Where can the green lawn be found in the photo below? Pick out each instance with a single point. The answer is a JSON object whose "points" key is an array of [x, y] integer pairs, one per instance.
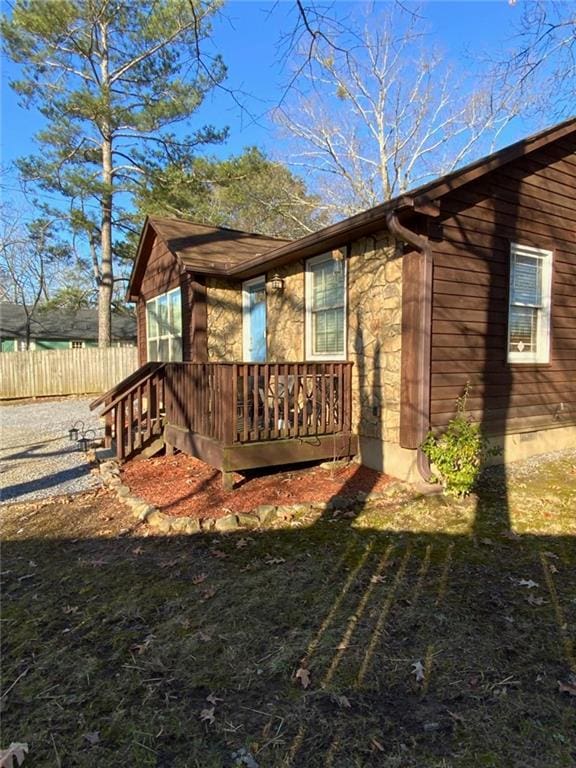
{"points": [[434, 633]]}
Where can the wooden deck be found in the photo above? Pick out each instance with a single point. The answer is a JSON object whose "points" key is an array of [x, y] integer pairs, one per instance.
{"points": [[236, 416]]}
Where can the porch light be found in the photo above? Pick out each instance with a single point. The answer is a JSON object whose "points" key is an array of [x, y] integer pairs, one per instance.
{"points": [[276, 285], [75, 429], [338, 259]]}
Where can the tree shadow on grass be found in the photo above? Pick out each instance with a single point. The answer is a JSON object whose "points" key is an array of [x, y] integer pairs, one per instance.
{"points": [[423, 647]]}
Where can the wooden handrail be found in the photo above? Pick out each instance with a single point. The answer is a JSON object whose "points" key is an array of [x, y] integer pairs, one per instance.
{"points": [[113, 403], [126, 383]]}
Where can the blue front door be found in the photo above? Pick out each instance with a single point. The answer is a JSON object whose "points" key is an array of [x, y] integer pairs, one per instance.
{"points": [[255, 320]]}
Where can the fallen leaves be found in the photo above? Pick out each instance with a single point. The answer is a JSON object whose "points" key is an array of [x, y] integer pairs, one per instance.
{"points": [[208, 594], [536, 601], [141, 648], [569, 687], [303, 675], [528, 583], [14, 755], [342, 701], [418, 671], [377, 579], [199, 578], [207, 715], [274, 560], [218, 553]]}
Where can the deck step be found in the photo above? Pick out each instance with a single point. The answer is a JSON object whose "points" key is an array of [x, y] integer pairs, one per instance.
{"points": [[152, 449]]}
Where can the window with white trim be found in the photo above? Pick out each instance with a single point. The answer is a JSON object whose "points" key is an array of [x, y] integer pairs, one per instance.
{"points": [[325, 308], [529, 309], [164, 326]]}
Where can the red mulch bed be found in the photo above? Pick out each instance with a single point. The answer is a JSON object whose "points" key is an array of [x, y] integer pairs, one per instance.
{"points": [[181, 485]]}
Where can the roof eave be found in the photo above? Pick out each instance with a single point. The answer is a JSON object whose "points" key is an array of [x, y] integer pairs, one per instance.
{"points": [[330, 237]]}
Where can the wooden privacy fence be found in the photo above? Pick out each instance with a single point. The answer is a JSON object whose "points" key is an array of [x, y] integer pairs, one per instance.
{"points": [[64, 371]]}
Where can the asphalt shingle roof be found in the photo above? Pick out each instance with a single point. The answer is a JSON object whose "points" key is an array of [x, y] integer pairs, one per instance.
{"points": [[61, 324]]}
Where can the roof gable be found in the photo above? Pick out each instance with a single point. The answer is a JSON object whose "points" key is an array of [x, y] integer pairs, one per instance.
{"points": [[198, 248]]}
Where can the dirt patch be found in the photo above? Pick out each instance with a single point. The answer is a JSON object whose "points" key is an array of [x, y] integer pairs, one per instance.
{"points": [[181, 485]]}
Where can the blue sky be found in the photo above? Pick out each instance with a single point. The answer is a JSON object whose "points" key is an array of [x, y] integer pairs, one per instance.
{"points": [[249, 36]]}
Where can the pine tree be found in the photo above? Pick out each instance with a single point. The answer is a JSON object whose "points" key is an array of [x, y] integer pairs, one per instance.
{"points": [[111, 80]]}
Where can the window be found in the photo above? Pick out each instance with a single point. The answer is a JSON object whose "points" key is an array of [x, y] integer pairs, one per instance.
{"points": [[325, 308], [529, 312], [164, 326], [76, 344]]}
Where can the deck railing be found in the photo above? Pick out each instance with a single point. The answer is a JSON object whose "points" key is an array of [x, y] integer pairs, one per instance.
{"points": [[133, 410], [237, 403]]}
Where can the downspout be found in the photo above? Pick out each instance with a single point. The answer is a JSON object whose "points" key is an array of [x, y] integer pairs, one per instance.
{"points": [[421, 244]]}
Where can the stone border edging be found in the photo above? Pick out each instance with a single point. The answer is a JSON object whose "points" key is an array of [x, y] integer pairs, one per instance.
{"points": [[264, 514]]}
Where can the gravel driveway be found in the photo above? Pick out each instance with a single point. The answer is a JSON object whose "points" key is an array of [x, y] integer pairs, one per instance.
{"points": [[37, 459]]}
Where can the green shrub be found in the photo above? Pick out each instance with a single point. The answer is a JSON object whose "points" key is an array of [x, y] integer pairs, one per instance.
{"points": [[459, 452]]}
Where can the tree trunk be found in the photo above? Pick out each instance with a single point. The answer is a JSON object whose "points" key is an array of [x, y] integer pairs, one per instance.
{"points": [[106, 272]]}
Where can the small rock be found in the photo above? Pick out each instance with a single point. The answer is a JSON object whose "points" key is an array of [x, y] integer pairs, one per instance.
{"points": [[179, 524], [113, 481], [193, 526], [159, 520], [123, 491], [143, 514], [134, 502], [285, 512], [228, 523], [266, 513], [332, 465], [247, 520], [431, 727], [301, 509]]}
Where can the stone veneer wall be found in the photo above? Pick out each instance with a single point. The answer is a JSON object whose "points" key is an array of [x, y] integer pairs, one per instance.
{"points": [[374, 336], [224, 320], [285, 316]]}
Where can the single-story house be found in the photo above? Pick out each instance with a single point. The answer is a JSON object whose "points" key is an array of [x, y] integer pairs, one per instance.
{"points": [[359, 338], [59, 329]]}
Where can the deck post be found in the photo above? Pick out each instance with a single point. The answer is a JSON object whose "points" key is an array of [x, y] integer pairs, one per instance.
{"points": [[169, 449], [227, 480], [108, 430]]}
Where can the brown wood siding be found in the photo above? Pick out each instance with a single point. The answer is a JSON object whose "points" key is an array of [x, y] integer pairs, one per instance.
{"points": [[531, 201], [163, 271]]}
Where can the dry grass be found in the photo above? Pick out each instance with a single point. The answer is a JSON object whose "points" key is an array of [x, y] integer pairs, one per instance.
{"points": [[109, 632]]}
